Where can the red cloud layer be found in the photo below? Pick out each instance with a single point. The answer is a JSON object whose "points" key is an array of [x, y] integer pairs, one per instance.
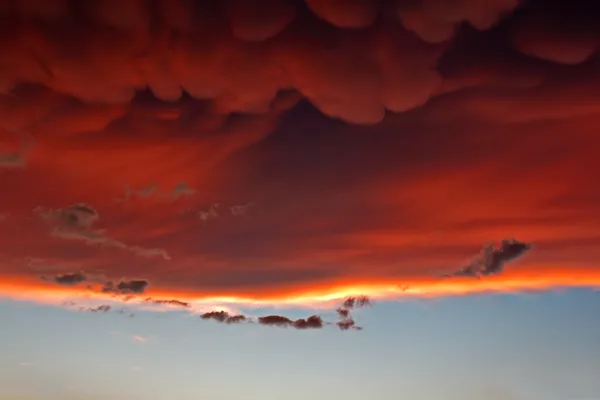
{"points": [[490, 133]]}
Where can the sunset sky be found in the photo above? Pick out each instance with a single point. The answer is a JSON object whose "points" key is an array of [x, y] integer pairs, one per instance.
{"points": [[236, 199]]}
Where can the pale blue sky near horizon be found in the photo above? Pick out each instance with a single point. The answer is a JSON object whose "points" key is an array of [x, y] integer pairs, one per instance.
{"points": [[542, 346]]}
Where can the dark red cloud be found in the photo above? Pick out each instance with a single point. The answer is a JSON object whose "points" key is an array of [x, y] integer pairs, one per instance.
{"points": [[223, 150]]}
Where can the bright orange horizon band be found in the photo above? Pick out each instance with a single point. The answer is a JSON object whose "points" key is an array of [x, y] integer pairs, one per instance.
{"points": [[26, 289]]}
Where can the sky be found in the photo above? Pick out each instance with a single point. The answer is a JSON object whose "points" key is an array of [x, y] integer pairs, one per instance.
{"points": [[233, 199]]}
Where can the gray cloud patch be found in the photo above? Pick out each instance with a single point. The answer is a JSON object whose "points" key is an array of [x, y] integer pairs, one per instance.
{"points": [[76, 222], [346, 320], [224, 317]]}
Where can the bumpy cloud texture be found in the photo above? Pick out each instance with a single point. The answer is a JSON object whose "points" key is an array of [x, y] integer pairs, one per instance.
{"points": [[298, 151]]}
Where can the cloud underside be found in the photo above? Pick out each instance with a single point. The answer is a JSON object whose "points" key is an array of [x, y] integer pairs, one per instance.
{"points": [[291, 147]]}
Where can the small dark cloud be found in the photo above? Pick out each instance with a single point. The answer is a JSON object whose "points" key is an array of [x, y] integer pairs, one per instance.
{"points": [[275, 320], [125, 287], [343, 312], [69, 279], [356, 302], [99, 309], [103, 308], [346, 320], [492, 260], [312, 322], [234, 319], [346, 323], [171, 302], [509, 250], [219, 316], [224, 317]]}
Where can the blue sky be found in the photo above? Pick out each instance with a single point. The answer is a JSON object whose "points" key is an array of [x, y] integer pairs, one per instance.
{"points": [[502, 347]]}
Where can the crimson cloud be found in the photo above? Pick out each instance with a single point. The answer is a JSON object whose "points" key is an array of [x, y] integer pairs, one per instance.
{"points": [[298, 150]]}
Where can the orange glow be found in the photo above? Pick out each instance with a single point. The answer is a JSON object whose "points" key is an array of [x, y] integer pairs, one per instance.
{"points": [[555, 278]]}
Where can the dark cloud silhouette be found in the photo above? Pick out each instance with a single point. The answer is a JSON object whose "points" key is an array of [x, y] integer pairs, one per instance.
{"points": [[275, 320], [280, 321], [312, 322], [223, 316], [492, 260], [69, 279], [125, 287], [346, 320], [172, 302], [103, 308], [356, 302]]}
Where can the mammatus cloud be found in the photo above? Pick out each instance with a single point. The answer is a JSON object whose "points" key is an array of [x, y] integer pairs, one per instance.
{"points": [[388, 61], [76, 223], [492, 260]]}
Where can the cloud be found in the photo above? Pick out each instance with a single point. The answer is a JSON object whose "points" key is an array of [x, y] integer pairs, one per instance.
{"points": [[346, 320], [223, 316], [125, 287], [171, 302], [280, 321], [103, 308], [492, 260], [270, 45], [76, 223], [312, 322], [69, 279], [275, 320], [361, 130], [356, 302]]}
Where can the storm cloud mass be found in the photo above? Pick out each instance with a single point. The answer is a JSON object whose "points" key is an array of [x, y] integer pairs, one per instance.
{"points": [[298, 150]]}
